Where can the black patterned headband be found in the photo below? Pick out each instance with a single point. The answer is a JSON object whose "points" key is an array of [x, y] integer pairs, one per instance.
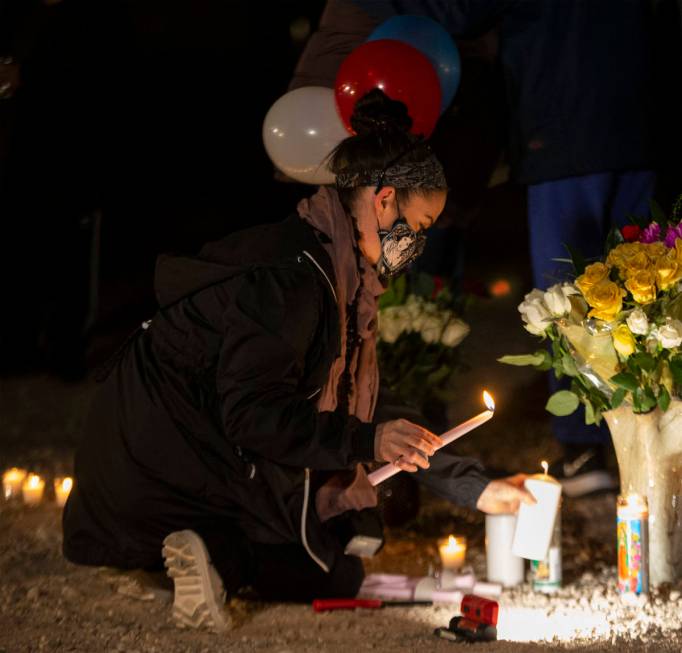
{"points": [[422, 174]]}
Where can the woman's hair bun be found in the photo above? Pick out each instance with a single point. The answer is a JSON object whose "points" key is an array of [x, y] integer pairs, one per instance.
{"points": [[375, 112]]}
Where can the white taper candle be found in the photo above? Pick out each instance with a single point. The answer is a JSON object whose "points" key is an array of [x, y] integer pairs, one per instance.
{"points": [[385, 472]]}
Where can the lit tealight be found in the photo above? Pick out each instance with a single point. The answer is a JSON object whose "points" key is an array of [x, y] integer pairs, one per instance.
{"points": [[62, 489], [12, 480], [452, 551], [32, 490]]}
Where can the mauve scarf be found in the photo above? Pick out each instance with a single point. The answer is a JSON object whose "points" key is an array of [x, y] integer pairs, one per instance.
{"points": [[324, 212]]}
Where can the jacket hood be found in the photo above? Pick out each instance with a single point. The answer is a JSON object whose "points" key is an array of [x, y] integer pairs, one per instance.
{"points": [[177, 277]]}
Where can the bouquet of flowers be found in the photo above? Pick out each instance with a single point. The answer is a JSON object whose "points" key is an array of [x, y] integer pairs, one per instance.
{"points": [[418, 334], [616, 331]]}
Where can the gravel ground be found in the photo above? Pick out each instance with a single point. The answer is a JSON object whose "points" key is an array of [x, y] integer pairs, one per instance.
{"points": [[47, 604]]}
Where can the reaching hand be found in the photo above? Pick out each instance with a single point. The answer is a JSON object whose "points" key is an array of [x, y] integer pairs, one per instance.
{"points": [[505, 495], [405, 444]]}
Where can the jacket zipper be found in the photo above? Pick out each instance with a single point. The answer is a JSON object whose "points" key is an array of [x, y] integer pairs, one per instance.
{"points": [[324, 274], [306, 487], [304, 516]]}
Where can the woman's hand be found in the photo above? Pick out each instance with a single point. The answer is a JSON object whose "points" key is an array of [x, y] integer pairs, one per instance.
{"points": [[504, 496], [405, 444]]}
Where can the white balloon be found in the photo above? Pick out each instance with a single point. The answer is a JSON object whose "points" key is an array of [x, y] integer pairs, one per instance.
{"points": [[300, 131]]}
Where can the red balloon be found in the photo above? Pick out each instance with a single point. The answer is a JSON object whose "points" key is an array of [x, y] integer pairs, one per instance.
{"points": [[400, 71]]}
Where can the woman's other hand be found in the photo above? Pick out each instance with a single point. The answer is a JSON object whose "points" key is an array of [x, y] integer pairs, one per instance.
{"points": [[505, 495], [405, 444]]}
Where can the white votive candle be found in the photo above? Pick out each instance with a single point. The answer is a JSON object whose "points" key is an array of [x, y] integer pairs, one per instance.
{"points": [[501, 564], [12, 480], [452, 551], [62, 489], [32, 490], [535, 523]]}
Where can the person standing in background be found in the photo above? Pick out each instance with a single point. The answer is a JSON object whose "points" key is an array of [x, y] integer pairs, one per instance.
{"points": [[581, 138]]}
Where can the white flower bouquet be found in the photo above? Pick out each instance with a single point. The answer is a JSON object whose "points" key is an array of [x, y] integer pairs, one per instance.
{"points": [[418, 335]]}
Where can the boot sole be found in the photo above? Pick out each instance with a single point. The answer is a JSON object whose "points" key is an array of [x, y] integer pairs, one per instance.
{"points": [[199, 596]]}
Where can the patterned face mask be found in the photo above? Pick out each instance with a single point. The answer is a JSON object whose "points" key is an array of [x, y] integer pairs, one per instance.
{"points": [[399, 247]]}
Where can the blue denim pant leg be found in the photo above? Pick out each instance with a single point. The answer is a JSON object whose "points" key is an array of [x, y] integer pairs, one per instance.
{"points": [[580, 211]]}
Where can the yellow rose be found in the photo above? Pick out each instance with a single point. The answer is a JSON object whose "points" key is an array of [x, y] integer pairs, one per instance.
{"points": [[668, 270], [614, 259], [678, 250], [637, 263], [606, 300], [655, 250], [593, 274], [619, 254], [642, 286], [623, 340]]}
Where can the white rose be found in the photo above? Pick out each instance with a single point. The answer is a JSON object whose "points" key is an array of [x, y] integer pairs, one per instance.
{"points": [[557, 301], [432, 328], [455, 332], [414, 306], [637, 322], [670, 334], [535, 313], [430, 308], [392, 322], [569, 289]]}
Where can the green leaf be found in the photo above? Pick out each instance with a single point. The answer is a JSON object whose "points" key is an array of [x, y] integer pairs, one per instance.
{"points": [[676, 369], [578, 259], [400, 287], [657, 213], [625, 380], [677, 209], [569, 365], [644, 399], [618, 397], [663, 399], [643, 361], [614, 238], [439, 375], [589, 413], [674, 309], [562, 403], [537, 358]]}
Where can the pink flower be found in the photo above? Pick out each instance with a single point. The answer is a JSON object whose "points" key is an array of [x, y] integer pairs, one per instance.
{"points": [[672, 235], [651, 234]]}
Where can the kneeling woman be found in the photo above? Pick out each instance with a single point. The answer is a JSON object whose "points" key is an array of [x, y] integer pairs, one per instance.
{"points": [[220, 435]]}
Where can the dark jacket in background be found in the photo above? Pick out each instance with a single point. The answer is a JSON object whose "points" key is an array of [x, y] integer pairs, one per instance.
{"points": [[577, 72], [208, 418]]}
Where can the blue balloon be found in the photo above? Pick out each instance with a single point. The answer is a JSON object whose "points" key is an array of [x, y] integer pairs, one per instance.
{"points": [[432, 40]]}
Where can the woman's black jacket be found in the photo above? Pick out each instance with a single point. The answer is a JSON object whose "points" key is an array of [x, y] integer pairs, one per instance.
{"points": [[208, 415]]}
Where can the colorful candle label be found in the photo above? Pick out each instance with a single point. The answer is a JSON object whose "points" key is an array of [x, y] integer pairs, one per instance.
{"points": [[546, 574], [633, 577]]}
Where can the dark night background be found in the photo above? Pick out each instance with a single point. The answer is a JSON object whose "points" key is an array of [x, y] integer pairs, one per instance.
{"points": [[136, 129], [149, 113]]}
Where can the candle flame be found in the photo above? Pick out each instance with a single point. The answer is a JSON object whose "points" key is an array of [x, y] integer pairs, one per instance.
{"points": [[488, 399], [634, 499], [453, 545], [545, 466], [67, 484], [14, 473], [34, 481]]}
